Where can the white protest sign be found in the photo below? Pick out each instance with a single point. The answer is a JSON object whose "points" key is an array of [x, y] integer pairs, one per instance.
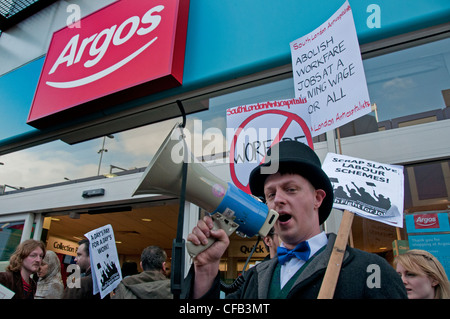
{"points": [[105, 265], [329, 73], [370, 189], [251, 129], [6, 293]]}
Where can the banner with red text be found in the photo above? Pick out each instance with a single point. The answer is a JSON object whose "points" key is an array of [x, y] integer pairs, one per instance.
{"points": [[328, 73], [252, 128]]}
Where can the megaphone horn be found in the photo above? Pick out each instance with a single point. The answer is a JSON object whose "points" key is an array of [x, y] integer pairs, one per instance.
{"points": [[229, 206]]}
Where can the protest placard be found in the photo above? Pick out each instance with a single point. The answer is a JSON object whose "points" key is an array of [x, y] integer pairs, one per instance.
{"points": [[370, 189], [328, 73], [251, 130], [105, 265]]}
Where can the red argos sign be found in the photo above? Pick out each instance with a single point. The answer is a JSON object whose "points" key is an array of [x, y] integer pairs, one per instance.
{"points": [[126, 50], [426, 221]]}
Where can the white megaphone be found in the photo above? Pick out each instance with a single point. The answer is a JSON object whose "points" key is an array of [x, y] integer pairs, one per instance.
{"points": [[230, 208]]}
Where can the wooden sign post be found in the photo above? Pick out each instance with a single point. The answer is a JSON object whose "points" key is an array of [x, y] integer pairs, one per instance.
{"points": [[337, 256]]}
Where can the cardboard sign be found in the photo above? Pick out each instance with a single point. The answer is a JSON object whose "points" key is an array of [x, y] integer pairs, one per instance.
{"points": [[329, 74], [105, 265], [126, 50], [251, 130], [370, 189]]}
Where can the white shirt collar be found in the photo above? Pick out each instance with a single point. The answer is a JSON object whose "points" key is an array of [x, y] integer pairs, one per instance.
{"points": [[317, 242], [292, 266]]}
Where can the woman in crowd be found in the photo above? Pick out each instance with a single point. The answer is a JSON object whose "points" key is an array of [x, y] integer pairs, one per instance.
{"points": [[50, 285], [423, 275]]}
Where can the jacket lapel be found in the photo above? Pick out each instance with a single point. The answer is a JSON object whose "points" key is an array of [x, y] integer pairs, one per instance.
{"points": [[265, 271], [320, 262]]}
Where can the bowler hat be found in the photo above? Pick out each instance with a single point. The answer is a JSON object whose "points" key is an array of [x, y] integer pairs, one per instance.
{"points": [[296, 158]]}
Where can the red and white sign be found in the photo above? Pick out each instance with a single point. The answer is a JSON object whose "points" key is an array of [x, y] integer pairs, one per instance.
{"points": [[426, 221], [126, 50], [253, 128]]}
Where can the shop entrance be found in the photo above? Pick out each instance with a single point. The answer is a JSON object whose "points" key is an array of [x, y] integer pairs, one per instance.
{"points": [[135, 227]]}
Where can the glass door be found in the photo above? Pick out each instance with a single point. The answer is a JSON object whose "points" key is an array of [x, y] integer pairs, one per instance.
{"points": [[13, 230]]}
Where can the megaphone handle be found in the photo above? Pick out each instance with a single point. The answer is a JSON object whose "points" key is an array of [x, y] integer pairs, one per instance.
{"points": [[220, 222]]}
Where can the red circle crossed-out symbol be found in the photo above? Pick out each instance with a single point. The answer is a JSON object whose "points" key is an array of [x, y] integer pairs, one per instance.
{"points": [[290, 118]]}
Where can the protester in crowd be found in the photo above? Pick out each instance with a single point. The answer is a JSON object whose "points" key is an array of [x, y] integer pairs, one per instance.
{"points": [[50, 284], [152, 283], [271, 242], [423, 275], [23, 264], [86, 288], [302, 194]]}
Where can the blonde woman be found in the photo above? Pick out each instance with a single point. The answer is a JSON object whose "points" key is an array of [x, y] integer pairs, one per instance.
{"points": [[423, 275]]}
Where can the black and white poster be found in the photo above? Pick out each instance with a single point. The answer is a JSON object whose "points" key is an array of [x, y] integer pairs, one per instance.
{"points": [[370, 189], [105, 265]]}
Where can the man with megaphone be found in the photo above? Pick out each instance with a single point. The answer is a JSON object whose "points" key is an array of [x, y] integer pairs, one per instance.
{"points": [[302, 194]]}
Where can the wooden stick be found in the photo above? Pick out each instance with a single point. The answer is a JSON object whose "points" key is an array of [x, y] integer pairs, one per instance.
{"points": [[334, 264], [375, 109], [338, 132], [399, 236]]}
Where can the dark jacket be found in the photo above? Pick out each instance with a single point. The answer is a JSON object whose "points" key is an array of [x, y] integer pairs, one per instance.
{"points": [[13, 281], [352, 283], [86, 290], [146, 285]]}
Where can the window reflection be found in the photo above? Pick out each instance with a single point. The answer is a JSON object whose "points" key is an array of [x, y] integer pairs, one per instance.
{"points": [[58, 162], [409, 87], [427, 186], [10, 235], [410, 81]]}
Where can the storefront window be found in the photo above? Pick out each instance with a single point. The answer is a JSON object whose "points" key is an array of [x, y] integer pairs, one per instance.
{"points": [[409, 87], [411, 84], [10, 235], [427, 197], [427, 186]]}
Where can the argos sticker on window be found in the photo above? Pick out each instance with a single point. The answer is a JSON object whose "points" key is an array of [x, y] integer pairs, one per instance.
{"points": [[126, 50], [427, 222]]}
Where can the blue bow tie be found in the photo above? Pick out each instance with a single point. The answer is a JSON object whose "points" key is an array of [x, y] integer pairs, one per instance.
{"points": [[301, 251]]}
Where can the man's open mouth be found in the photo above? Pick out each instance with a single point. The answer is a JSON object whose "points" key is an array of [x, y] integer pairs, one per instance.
{"points": [[284, 218]]}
